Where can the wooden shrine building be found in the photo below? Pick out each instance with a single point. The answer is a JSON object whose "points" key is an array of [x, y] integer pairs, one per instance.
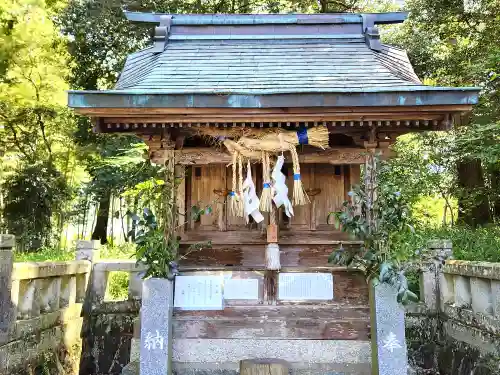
{"points": [[209, 84]]}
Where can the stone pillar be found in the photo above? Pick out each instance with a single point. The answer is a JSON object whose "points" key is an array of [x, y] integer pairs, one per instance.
{"points": [[86, 285], [7, 307], [88, 250], [389, 354], [156, 327], [432, 280]]}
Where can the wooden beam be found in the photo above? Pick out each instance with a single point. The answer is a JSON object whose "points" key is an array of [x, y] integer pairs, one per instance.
{"points": [[203, 156], [128, 112], [318, 116]]}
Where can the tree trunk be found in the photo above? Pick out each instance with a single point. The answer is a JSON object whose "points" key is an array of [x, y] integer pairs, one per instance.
{"points": [[101, 225], [495, 192], [472, 202]]}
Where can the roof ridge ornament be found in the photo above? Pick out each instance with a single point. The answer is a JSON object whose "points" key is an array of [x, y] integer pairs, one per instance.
{"points": [[161, 33], [371, 33]]}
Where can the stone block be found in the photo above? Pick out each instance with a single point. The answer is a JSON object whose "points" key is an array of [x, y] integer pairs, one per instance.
{"points": [[99, 285], [156, 327], [447, 289], [481, 296], [135, 285], [439, 244], [88, 250], [7, 308], [50, 294], [68, 291], [29, 299], [231, 351], [82, 283], [463, 296], [429, 289], [389, 353], [495, 293]]}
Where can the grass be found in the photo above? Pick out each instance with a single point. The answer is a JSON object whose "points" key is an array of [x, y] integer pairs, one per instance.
{"points": [[47, 254], [481, 244]]}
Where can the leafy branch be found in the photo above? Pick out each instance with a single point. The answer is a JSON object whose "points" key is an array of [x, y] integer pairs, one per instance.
{"points": [[376, 215]]}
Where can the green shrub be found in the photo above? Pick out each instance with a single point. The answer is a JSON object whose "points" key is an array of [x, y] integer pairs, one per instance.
{"points": [[481, 244], [117, 289]]}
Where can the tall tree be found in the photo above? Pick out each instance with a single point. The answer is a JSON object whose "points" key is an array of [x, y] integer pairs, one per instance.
{"points": [[455, 43], [33, 115]]}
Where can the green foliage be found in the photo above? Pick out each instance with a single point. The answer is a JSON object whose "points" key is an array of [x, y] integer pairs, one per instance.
{"points": [[34, 193], [156, 248], [377, 215], [117, 289], [454, 43]]}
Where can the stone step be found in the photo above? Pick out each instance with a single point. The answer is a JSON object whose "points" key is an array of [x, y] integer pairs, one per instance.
{"points": [[232, 369]]}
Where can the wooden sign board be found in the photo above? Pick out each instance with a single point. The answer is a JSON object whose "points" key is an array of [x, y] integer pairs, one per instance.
{"points": [[305, 286]]}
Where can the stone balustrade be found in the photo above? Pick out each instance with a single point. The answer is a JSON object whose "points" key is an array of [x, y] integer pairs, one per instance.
{"points": [[470, 300], [100, 284], [458, 316], [44, 288], [41, 307]]}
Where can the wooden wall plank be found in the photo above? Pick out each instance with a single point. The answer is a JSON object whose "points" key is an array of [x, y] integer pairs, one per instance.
{"points": [[289, 329], [333, 311], [332, 191], [254, 255], [204, 180]]}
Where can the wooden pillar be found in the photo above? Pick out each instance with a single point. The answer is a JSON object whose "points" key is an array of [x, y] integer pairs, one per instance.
{"points": [[180, 197], [370, 180], [169, 213]]}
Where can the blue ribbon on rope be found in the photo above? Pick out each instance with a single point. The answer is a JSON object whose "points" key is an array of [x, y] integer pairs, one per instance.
{"points": [[267, 185], [302, 136], [232, 194], [296, 176]]}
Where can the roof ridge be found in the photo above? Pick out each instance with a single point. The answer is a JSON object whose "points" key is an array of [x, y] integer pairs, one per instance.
{"points": [[263, 19]]}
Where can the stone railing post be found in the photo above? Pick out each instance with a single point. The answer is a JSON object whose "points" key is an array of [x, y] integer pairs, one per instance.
{"points": [[433, 282], [88, 250], [92, 283], [7, 305], [430, 278]]}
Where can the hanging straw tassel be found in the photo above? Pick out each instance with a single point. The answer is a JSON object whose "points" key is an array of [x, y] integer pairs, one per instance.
{"points": [[266, 198], [299, 195], [233, 198]]}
